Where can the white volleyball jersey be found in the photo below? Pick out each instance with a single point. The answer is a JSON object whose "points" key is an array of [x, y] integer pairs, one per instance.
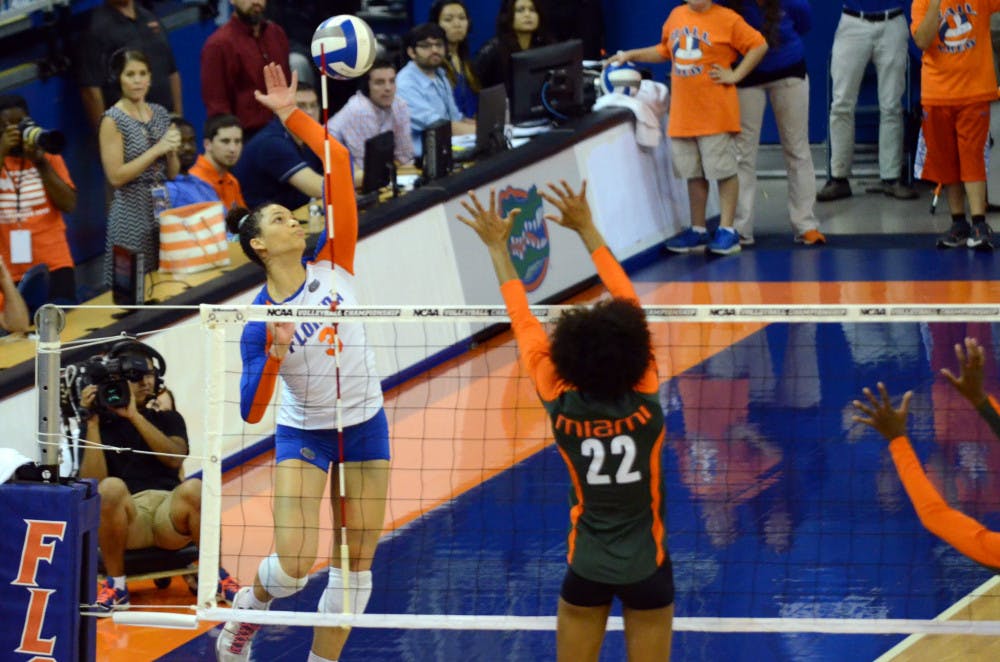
{"points": [[308, 384]]}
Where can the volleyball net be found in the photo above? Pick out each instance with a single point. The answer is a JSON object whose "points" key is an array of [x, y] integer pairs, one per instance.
{"points": [[784, 515]]}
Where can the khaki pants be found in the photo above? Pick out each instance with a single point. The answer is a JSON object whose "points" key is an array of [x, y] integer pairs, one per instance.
{"points": [[855, 43], [790, 102]]}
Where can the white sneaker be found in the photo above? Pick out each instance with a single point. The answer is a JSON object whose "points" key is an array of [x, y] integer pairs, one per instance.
{"points": [[235, 637]]}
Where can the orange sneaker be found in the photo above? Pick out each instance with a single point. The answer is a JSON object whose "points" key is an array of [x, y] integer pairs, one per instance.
{"points": [[810, 238]]}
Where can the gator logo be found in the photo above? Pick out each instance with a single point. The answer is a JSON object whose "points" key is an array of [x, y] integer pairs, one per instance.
{"points": [[529, 238]]}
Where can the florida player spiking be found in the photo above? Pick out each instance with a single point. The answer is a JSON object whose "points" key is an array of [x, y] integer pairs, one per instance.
{"points": [[301, 358], [597, 378]]}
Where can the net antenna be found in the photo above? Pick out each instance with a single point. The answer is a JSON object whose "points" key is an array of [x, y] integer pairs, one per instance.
{"points": [[345, 566]]}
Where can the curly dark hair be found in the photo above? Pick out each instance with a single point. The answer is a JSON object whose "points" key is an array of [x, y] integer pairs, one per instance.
{"points": [[771, 9], [604, 350]]}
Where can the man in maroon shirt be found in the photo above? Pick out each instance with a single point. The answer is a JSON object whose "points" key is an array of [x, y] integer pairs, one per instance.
{"points": [[233, 60]]}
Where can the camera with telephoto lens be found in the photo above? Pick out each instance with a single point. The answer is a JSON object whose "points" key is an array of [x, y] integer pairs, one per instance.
{"points": [[50, 140]]}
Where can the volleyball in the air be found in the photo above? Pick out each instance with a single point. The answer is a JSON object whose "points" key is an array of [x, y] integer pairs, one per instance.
{"points": [[622, 78], [347, 44]]}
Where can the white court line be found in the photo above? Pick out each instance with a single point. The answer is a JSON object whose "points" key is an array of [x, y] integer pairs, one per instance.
{"points": [[975, 594]]}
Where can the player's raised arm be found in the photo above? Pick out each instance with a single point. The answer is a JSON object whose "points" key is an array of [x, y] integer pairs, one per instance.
{"points": [[280, 98], [575, 215], [494, 231], [969, 382], [964, 533]]}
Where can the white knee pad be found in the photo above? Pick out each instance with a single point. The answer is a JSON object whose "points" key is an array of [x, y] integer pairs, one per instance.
{"points": [[276, 581], [360, 591]]}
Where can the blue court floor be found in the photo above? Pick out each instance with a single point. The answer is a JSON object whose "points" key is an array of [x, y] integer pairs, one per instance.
{"points": [[778, 505]]}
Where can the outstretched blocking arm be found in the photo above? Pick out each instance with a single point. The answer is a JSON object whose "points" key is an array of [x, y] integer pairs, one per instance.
{"points": [[969, 381], [494, 231], [957, 529], [960, 531], [280, 98], [575, 215]]}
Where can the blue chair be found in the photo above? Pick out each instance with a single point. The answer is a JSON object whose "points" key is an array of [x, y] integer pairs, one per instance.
{"points": [[34, 288]]}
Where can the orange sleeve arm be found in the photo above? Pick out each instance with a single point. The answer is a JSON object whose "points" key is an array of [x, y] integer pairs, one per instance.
{"points": [[338, 186], [532, 341], [619, 285], [960, 531]]}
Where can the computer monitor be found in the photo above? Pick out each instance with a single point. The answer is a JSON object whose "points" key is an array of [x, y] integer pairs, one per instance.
{"points": [[556, 71], [128, 274], [379, 166], [490, 120], [437, 150]]}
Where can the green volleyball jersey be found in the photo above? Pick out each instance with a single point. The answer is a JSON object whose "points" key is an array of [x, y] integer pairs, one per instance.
{"points": [[613, 451]]}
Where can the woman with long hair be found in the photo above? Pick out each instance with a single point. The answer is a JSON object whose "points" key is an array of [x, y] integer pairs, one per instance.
{"points": [[139, 153], [520, 26], [314, 382], [453, 18], [781, 77]]}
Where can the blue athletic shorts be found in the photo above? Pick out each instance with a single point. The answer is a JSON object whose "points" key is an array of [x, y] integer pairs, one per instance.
{"points": [[364, 441]]}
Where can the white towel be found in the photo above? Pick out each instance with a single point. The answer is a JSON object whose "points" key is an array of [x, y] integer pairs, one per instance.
{"points": [[649, 106]]}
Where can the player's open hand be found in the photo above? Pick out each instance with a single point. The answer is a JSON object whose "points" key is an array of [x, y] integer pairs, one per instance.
{"points": [[574, 211], [493, 229], [969, 382], [280, 94], [880, 414]]}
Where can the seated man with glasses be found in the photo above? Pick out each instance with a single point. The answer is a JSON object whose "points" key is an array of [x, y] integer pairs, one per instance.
{"points": [[144, 502], [423, 84]]}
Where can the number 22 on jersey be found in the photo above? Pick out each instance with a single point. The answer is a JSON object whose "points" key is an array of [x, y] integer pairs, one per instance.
{"points": [[621, 445]]}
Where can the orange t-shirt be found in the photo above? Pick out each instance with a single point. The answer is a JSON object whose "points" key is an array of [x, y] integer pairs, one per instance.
{"points": [[957, 68], [694, 41], [24, 205], [226, 186]]}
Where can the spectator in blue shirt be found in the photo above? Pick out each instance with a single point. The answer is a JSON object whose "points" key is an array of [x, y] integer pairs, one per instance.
{"points": [[278, 167], [185, 188], [422, 83], [876, 31]]}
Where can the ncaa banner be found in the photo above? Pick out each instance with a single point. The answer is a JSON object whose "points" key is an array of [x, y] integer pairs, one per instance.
{"points": [[48, 567]]}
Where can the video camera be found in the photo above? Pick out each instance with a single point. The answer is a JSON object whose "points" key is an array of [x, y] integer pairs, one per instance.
{"points": [[111, 373], [50, 140]]}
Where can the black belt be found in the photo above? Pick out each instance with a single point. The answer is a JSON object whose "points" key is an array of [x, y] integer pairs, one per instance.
{"points": [[874, 16]]}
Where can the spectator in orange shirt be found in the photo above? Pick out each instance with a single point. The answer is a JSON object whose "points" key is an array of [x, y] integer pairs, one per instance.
{"points": [[957, 84], [13, 311], [703, 40], [960, 531], [36, 190], [223, 143]]}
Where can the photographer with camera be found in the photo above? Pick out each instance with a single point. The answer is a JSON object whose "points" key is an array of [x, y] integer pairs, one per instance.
{"points": [[32, 227], [144, 502]]}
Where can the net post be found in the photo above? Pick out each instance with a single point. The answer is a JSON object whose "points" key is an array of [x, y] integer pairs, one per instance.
{"points": [[211, 469], [50, 321]]}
